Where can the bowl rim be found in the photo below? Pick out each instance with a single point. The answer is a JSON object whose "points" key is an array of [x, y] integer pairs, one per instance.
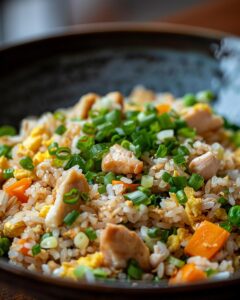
{"points": [[126, 27], [102, 28]]}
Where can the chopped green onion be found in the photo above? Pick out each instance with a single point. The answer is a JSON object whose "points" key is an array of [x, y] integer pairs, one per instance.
{"points": [[97, 151], [36, 249], [8, 173], [85, 143], [179, 159], [90, 176], [234, 215], [7, 131], [26, 163], [52, 149], [75, 160], [180, 123], [165, 121], [205, 96], [179, 182], [59, 115], [108, 178], [226, 225], [60, 130], [71, 197], [176, 261], [146, 120], [5, 150], [187, 132], [189, 100], [63, 153], [154, 232], [165, 234], [222, 201], [100, 273], [114, 116], [138, 197], [84, 196], [182, 150], [181, 196], [210, 272], [91, 233], [196, 181], [89, 165], [133, 270], [89, 128], [80, 271], [58, 163], [102, 189], [4, 245], [147, 181], [162, 151], [71, 217], [166, 177], [46, 235], [129, 126]]}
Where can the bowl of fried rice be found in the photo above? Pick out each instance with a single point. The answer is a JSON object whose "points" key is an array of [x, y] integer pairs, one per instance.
{"points": [[120, 164]]}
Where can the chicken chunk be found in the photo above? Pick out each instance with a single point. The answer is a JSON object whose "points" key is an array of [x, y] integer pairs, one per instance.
{"points": [[205, 165], [202, 119], [85, 103], [121, 161], [111, 101], [118, 244], [142, 95], [72, 179]]}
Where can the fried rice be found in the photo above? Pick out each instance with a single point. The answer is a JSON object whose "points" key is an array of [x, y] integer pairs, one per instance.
{"points": [[138, 188]]}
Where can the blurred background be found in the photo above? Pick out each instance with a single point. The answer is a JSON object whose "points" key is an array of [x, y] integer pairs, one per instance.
{"points": [[21, 19]]}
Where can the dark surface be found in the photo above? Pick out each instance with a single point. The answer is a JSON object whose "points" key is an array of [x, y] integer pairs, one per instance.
{"points": [[44, 75]]}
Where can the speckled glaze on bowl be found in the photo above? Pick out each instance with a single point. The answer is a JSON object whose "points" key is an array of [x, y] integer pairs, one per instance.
{"points": [[53, 72]]}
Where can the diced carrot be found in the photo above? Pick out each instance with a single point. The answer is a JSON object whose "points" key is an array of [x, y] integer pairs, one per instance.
{"points": [[163, 108], [127, 186], [207, 240], [18, 189], [24, 250], [188, 273]]}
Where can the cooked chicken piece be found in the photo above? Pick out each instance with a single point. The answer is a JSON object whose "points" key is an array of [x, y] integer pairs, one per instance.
{"points": [[205, 165], [121, 161], [83, 106], [118, 244], [141, 95], [202, 120], [72, 179], [111, 101]]}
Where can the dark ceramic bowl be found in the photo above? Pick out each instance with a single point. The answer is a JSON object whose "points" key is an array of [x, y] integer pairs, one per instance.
{"points": [[53, 72]]}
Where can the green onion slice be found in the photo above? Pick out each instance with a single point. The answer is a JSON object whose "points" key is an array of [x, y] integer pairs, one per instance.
{"points": [[71, 197]]}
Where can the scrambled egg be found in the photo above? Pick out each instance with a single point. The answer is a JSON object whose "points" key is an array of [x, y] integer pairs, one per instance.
{"points": [[40, 157], [202, 106], [193, 207], [221, 214], [173, 243], [23, 151], [22, 173], [13, 230], [44, 211], [33, 143], [3, 162], [93, 261]]}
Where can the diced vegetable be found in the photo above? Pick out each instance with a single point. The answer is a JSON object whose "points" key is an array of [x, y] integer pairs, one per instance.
{"points": [[81, 241], [71, 197], [138, 197], [49, 243], [36, 249], [163, 108], [187, 274], [196, 181], [147, 181], [18, 189], [4, 245], [91, 233], [176, 261], [7, 130], [189, 100], [60, 130], [8, 173], [207, 240], [181, 196], [63, 153], [234, 215], [71, 217], [133, 270], [27, 163]]}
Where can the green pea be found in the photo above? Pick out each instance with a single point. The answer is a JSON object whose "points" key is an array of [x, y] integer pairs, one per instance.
{"points": [[234, 215]]}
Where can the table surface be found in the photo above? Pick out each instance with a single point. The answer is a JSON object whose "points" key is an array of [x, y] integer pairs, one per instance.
{"points": [[221, 15]]}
